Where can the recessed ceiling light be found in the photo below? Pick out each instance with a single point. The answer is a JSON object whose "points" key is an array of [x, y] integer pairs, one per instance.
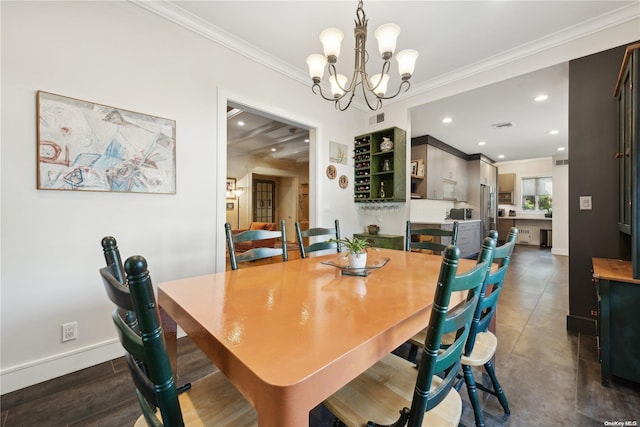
{"points": [[273, 149], [560, 148], [240, 123], [540, 98], [481, 143], [501, 156], [554, 132], [306, 140], [447, 120]]}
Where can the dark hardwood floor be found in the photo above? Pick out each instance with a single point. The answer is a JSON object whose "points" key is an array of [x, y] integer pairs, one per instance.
{"points": [[551, 376]]}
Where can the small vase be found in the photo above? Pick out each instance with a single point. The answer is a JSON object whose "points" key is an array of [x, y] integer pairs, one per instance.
{"points": [[357, 260], [386, 144]]}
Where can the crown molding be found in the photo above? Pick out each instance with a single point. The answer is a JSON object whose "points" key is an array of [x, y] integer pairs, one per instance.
{"points": [[614, 18], [185, 19]]}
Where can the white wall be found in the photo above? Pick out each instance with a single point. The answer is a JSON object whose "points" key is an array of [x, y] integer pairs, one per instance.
{"points": [[560, 221], [118, 54]]}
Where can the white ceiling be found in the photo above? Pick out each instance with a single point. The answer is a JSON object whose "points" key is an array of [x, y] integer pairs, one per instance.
{"points": [[452, 37]]}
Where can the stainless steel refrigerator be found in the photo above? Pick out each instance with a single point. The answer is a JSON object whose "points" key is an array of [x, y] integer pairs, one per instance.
{"points": [[488, 209]]}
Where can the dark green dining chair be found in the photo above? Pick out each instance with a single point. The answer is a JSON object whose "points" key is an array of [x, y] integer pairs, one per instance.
{"points": [[114, 262], [393, 392], [258, 238], [482, 343], [332, 233], [450, 237], [211, 400]]}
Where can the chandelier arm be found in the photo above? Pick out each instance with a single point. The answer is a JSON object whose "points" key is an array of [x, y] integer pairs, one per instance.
{"points": [[333, 72], [339, 107], [321, 93], [366, 98], [398, 91], [385, 70]]}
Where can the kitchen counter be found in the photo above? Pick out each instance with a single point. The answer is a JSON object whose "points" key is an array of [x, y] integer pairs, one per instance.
{"points": [[527, 217], [443, 221]]}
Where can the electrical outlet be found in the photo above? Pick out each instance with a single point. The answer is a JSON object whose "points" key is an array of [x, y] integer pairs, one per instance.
{"points": [[69, 331]]}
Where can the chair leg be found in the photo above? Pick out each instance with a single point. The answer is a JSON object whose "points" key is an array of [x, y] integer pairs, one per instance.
{"points": [[183, 388], [497, 387], [473, 394], [413, 353]]}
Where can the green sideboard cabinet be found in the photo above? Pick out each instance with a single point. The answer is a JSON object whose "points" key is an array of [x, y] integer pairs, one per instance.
{"points": [[380, 166], [618, 319], [386, 241], [627, 93]]}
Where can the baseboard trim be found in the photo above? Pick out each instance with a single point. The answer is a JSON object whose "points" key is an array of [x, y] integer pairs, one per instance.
{"points": [[37, 371], [560, 251], [583, 325]]}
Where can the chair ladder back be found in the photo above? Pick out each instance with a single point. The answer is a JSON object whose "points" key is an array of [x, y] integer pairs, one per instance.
{"points": [[112, 257], [156, 356], [437, 359], [136, 358], [259, 252], [116, 291], [488, 303], [433, 232], [230, 247], [318, 231], [114, 262]]}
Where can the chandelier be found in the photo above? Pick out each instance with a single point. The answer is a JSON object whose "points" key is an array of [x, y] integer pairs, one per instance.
{"points": [[373, 87]]}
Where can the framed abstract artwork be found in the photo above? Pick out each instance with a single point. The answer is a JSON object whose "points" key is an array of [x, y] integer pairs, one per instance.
{"points": [[87, 146]]}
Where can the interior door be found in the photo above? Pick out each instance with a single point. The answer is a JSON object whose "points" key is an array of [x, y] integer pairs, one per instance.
{"points": [[264, 197]]}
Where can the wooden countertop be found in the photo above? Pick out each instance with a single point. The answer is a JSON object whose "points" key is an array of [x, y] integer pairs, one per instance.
{"points": [[613, 269]]}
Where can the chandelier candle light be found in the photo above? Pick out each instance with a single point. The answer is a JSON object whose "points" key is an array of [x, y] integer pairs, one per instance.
{"points": [[373, 87]]}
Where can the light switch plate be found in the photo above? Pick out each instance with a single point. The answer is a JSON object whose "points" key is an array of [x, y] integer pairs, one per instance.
{"points": [[585, 203]]}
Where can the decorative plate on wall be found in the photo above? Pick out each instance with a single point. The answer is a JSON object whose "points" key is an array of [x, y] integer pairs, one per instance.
{"points": [[343, 181], [331, 172]]}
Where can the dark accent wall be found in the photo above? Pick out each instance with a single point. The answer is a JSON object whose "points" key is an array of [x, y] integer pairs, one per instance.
{"points": [[592, 172]]}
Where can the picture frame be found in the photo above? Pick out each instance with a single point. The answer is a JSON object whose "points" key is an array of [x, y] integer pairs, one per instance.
{"points": [[231, 185], [337, 152], [414, 168], [86, 146]]}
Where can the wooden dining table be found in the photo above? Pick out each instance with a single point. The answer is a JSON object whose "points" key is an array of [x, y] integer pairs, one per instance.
{"points": [[290, 334]]}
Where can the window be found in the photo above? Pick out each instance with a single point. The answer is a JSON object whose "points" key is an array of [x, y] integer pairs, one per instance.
{"points": [[536, 194]]}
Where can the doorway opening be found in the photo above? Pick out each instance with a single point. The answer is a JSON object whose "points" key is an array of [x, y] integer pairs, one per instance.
{"points": [[267, 158]]}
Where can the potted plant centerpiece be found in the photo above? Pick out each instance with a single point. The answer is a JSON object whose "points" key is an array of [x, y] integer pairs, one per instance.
{"points": [[357, 249]]}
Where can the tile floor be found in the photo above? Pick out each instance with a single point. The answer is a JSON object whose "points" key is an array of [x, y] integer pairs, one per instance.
{"points": [[551, 376]]}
